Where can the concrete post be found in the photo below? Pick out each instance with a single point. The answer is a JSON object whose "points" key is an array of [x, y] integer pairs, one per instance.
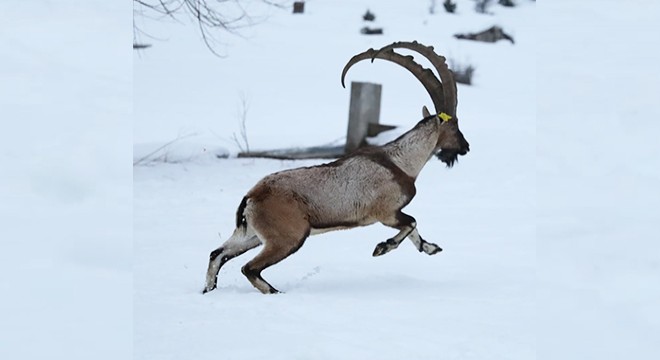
{"points": [[364, 110]]}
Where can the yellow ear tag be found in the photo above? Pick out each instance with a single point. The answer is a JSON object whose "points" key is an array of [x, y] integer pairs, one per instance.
{"points": [[444, 117]]}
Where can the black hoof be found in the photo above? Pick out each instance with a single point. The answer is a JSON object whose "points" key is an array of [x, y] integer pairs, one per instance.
{"points": [[274, 291], [384, 247], [378, 251], [434, 249], [429, 248], [437, 250], [207, 290]]}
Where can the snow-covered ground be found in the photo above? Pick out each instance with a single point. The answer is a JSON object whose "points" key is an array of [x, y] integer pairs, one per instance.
{"points": [[65, 184], [475, 300], [598, 171], [549, 224]]}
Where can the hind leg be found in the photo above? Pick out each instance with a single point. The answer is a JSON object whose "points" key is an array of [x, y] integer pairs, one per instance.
{"points": [[237, 244], [272, 253], [282, 225]]}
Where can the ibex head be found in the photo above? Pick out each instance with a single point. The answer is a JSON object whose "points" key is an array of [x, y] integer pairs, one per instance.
{"points": [[451, 141]]}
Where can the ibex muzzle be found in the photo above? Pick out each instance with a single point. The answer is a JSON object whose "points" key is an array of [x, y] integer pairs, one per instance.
{"points": [[451, 143], [370, 185]]}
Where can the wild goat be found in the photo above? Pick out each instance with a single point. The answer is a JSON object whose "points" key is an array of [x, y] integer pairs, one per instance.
{"points": [[370, 185]]}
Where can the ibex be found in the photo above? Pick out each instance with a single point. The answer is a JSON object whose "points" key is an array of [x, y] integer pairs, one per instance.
{"points": [[372, 184]]}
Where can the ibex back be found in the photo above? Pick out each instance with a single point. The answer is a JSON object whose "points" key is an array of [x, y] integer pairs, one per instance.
{"points": [[370, 185]]}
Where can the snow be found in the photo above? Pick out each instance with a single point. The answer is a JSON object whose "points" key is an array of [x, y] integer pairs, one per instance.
{"points": [[475, 300], [65, 188], [338, 299], [548, 225], [597, 175]]}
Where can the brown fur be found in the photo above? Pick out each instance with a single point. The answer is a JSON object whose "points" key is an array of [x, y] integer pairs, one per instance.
{"points": [[371, 185]]}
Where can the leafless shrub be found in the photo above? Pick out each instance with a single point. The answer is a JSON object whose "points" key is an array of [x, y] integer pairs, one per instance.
{"points": [[369, 16], [450, 6], [462, 73], [241, 140], [482, 6], [432, 7]]}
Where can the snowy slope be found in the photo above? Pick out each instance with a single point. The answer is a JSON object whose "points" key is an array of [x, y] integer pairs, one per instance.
{"points": [[476, 300], [598, 170], [471, 301], [65, 183], [549, 225]]}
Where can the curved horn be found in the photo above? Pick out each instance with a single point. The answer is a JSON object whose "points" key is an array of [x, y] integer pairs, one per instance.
{"points": [[355, 59], [425, 76], [448, 91]]}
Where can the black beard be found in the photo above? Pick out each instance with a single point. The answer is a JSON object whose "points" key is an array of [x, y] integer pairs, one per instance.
{"points": [[448, 156]]}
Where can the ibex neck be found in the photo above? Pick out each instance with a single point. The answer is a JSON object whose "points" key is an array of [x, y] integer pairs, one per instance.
{"points": [[412, 150]]}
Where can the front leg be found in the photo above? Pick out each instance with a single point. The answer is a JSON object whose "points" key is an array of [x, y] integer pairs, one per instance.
{"points": [[406, 225]]}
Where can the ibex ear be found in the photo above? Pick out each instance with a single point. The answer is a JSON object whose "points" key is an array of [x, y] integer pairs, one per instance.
{"points": [[425, 112]]}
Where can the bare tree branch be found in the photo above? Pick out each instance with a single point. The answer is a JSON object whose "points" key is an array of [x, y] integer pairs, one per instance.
{"points": [[147, 158], [210, 15]]}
